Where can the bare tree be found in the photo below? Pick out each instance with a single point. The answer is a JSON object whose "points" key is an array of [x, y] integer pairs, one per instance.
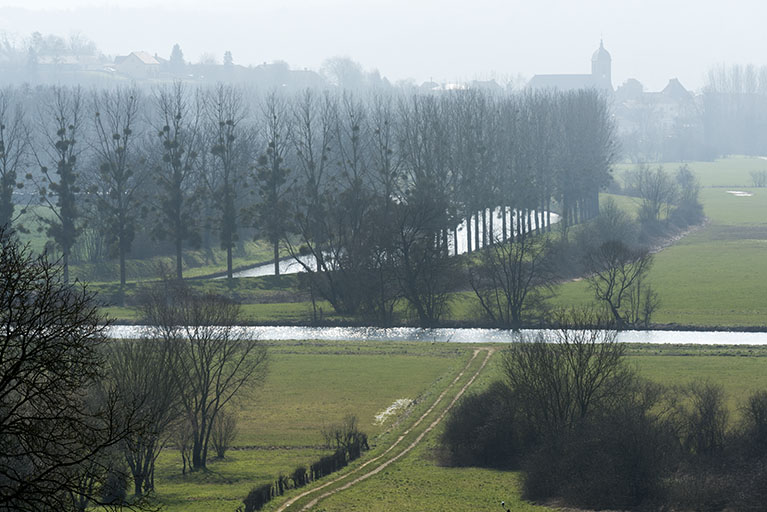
{"points": [[559, 379], [343, 72], [345, 435], [272, 175], [14, 148], [704, 418], [224, 432], [142, 379], [657, 190], [178, 118], [120, 173], [758, 179], [229, 144], [425, 272], [55, 425], [616, 276], [58, 189], [212, 363], [512, 278]]}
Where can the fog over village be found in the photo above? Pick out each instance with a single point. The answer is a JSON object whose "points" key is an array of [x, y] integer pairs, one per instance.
{"points": [[332, 256]]}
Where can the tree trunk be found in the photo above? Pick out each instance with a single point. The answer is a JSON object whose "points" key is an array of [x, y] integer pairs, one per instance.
{"points": [[198, 461], [455, 241], [529, 221], [490, 226], [503, 223], [65, 262], [122, 265], [468, 233], [548, 215], [179, 258], [476, 230], [229, 261], [276, 247]]}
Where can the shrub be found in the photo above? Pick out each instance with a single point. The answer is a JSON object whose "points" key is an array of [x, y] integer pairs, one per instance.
{"points": [[258, 497], [704, 420], [754, 425], [481, 430], [299, 477], [223, 432], [616, 458]]}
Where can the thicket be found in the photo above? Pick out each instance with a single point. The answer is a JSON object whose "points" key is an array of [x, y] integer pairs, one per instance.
{"points": [[583, 427]]}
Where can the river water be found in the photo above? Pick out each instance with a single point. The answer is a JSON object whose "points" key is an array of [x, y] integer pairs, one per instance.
{"points": [[459, 335], [291, 266]]}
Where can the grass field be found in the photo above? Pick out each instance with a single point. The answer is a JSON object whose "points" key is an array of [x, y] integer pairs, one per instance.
{"points": [[311, 384], [733, 171], [716, 275]]}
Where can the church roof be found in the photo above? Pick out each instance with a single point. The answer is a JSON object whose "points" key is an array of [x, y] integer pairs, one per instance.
{"points": [[601, 53]]}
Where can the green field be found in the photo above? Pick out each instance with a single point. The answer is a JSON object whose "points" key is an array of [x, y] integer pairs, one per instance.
{"points": [[733, 171], [716, 275], [311, 384]]}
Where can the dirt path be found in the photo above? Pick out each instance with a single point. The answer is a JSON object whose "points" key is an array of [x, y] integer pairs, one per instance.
{"points": [[377, 464]]}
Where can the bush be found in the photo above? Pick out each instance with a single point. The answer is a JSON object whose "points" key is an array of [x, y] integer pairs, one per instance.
{"points": [[754, 425], [615, 458], [481, 431], [223, 432], [299, 477], [704, 420], [258, 497], [346, 437]]}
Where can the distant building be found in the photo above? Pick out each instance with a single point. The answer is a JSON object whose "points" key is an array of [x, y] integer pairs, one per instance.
{"points": [[656, 125], [138, 65], [600, 77]]}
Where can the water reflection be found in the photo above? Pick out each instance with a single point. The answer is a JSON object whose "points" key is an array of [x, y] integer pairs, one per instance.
{"points": [[290, 266]]}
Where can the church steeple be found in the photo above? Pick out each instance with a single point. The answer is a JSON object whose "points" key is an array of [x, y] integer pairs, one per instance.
{"points": [[601, 67]]}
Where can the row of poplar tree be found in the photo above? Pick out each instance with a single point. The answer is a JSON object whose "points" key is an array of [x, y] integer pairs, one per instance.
{"points": [[355, 180]]}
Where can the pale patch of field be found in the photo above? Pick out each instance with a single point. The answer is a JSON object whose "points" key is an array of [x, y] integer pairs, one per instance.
{"points": [[393, 410]]}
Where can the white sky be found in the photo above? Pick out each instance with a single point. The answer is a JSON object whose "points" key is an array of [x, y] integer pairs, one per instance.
{"points": [[651, 40]]}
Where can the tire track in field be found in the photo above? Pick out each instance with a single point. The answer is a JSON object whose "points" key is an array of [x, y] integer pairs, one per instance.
{"points": [[377, 469]]}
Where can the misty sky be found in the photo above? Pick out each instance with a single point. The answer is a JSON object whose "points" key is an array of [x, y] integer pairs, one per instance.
{"points": [[651, 40]]}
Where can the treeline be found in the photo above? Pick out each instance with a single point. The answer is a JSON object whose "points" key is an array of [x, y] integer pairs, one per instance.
{"points": [[734, 108], [373, 187], [574, 416]]}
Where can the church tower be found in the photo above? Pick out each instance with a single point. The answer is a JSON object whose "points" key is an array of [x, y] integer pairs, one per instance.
{"points": [[601, 64]]}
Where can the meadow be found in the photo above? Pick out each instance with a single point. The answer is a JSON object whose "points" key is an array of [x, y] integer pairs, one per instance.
{"points": [[312, 384], [715, 276]]}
